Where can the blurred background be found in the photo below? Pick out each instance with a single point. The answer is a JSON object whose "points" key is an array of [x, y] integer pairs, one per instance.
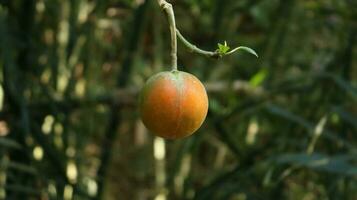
{"points": [[282, 126]]}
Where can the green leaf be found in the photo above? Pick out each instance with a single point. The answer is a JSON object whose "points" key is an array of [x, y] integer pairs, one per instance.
{"points": [[249, 50], [217, 107], [341, 164], [21, 167], [5, 142], [223, 48], [259, 77], [309, 126]]}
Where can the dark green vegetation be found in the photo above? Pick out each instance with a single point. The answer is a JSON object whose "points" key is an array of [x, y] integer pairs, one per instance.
{"points": [[283, 126]]}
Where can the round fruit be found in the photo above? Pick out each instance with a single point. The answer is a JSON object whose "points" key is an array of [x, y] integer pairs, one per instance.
{"points": [[173, 104]]}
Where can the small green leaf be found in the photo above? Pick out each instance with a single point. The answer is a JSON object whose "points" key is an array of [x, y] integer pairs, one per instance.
{"points": [[259, 77], [223, 48], [249, 50]]}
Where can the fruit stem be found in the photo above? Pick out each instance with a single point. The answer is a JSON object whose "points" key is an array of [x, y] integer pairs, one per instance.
{"points": [[167, 7], [195, 49]]}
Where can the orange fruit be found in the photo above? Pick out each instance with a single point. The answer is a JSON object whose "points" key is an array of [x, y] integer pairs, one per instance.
{"points": [[173, 104]]}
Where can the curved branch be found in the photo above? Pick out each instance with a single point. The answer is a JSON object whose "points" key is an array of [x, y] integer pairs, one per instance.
{"points": [[218, 53], [195, 49]]}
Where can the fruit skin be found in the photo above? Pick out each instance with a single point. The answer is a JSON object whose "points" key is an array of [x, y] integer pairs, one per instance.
{"points": [[173, 104]]}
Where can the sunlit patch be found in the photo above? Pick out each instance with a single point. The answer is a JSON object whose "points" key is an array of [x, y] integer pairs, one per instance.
{"points": [[320, 126], [62, 35], [252, 132], [52, 189], [38, 153], [160, 197], [72, 172], [4, 129], [40, 6], [68, 192], [84, 9], [92, 187], [104, 23], [80, 87], [111, 12], [62, 82], [47, 124], [159, 148]]}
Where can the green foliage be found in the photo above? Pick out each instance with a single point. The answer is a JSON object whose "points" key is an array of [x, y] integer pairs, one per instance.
{"points": [[223, 49], [259, 77], [341, 164]]}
